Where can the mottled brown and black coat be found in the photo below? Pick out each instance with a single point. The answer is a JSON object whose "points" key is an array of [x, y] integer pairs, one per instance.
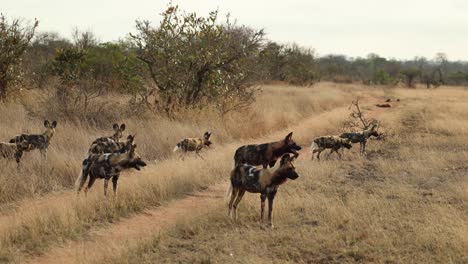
{"points": [[107, 166], [32, 142], [267, 153], [193, 144], [248, 178], [361, 137], [109, 144], [328, 142]]}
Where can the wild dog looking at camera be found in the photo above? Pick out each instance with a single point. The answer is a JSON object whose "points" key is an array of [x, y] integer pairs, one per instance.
{"points": [[328, 142], [264, 181], [40, 142], [107, 166], [267, 153], [116, 136], [362, 137], [193, 144]]}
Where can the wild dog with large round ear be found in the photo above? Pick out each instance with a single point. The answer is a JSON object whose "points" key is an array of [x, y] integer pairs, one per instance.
{"points": [[248, 178], [193, 144], [28, 142], [267, 153]]}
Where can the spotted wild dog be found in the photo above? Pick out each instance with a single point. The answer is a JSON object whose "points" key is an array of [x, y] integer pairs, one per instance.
{"points": [[264, 181], [267, 153], [107, 166], [361, 137], [40, 142], [328, 142], [110, 146], [193, 144], [116, 136], [13, 150]]}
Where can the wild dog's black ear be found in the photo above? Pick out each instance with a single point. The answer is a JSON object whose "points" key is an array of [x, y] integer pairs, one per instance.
{"points": [[122, 127], [130, 138], [289, 136], [284, 159], [54, 124], [46, 123], [115, 127]]}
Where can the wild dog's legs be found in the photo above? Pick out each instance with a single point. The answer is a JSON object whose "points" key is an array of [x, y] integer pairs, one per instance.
{"points": [[271, 197], [331, 151], [44, 153], [339, 154], [234, 193], [236, 203], [319, 151], [114, 183], [263, 197], [199, 155], [364, 148], [84, 177], [106, 184], [90, 184]]}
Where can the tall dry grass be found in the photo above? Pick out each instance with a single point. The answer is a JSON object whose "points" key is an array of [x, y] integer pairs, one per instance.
{"points": [[406, 203], [32, 225]]}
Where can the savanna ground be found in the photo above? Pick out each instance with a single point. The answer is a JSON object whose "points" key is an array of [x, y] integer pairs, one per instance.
{"points": [[404, 203]]}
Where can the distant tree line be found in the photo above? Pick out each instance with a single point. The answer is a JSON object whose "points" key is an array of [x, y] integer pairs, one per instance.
{"points": [[188, 61]]}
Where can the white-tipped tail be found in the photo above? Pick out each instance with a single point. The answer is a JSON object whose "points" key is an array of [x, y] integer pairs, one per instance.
{"points": [[78, 181], [176, 149], [229, 190], [312, 147]]}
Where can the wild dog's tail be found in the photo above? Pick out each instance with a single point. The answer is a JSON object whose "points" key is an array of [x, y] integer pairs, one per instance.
{"points": [[82, 177], [176, 148], [229, 190], [313, 146]]}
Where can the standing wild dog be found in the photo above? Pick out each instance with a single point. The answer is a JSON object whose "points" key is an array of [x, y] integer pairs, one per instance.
{"points": [[40, 142], [193, 144], [115, 137], [13, 150], [361, 138], [328, 142], [267, 153], [248, 178], [107, 166], [111, 146]]}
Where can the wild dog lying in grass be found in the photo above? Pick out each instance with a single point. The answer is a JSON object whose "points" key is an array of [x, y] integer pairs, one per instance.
{"points": [[248, 178], [328, 142], [266, 154], [107, 166], [362, 137], [193, 144], [40, 142]]}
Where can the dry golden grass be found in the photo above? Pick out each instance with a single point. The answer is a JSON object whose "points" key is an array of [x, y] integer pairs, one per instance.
{"points": [[406, 203], [39, 210]]}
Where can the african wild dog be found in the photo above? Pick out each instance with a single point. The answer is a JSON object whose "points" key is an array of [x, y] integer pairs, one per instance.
{"points": [[267, 153], [193, 144], [40, 142], [107, 166], [248, 178], [107, 144], [13, 150], [362, 137], [111, 146], [328, 142]]}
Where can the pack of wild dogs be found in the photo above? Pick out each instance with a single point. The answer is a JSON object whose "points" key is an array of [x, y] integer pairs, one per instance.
{"points": [[108, 156]]}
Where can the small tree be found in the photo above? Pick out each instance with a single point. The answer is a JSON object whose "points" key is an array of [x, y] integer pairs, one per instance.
{"points": [[195, 60], [14, 40], [411, 74]]}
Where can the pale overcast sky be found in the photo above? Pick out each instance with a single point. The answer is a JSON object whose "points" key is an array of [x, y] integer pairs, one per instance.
{"points": [[394, 28]]}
